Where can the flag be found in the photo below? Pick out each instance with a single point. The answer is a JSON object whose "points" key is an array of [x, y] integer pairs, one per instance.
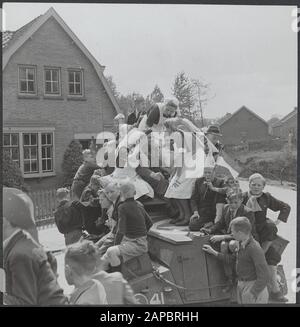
{"points": [[221, 162]]}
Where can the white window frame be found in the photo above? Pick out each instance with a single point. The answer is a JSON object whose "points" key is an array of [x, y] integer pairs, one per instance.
{"points": [[10, 147], [39, 131], [59, 81], [77, 70], [35, 80]]}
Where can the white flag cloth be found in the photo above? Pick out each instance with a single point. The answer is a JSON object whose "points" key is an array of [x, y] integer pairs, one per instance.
{"points": [[221, 162]]}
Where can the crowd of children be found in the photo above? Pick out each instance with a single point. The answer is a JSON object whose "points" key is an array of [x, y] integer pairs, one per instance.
{"points": [[105, 223], [241, 234]]}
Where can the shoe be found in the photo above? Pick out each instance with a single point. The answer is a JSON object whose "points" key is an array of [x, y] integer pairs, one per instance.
{"points": [[277, 297], [184, 222]]}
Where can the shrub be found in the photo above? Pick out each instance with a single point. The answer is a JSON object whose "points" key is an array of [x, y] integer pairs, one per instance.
{"points": [[12, 176], [71, 162]]}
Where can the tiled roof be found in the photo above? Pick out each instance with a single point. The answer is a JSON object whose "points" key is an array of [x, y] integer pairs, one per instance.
{"points": [[6, 37], [290, 115], [10, 36], [242, 108]]}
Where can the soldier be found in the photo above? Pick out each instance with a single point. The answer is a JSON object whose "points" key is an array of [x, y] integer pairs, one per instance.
{"points": [[30, 279]]}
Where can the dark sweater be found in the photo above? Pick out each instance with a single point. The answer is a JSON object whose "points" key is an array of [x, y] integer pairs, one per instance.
{"points": [[68, 216], [267, 201], [222, 226], [134, 222], [251, 265], [204, 197]]}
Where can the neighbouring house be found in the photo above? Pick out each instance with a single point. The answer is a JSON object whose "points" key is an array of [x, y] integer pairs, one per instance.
{"points": [[286, 125], [54, 91], [243, 125]]}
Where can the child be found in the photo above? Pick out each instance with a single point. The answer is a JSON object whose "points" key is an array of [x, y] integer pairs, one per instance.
{"points": [[133, 225], [80, 265], [112, 192], [231, 184], [84, 173], [89, 194], [233, 209], [259, 202], [206, 204], [68, 216], [251, 266]]}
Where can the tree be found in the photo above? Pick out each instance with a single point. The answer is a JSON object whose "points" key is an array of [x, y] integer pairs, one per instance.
{"points": [[156, 95], [11, 173], [201, 94], [182, 90], [72, 160], [112, 86], [132, 102]]}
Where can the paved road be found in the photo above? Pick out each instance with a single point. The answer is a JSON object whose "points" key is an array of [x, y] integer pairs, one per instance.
{"points": [[51, 238]]}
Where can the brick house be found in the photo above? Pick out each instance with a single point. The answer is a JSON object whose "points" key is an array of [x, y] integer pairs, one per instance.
{"points": [[54, 91], [243, 125], [286, 125]]}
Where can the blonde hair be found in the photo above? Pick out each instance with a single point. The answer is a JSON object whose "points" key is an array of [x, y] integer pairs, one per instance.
{"points": [[257, 176]]}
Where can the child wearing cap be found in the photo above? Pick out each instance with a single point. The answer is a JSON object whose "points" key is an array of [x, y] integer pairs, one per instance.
{"points": [[84, 173], [68, 218], [133, 226]]}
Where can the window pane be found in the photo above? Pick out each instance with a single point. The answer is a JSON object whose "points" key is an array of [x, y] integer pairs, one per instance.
{"points": [[71, 88], [54, 75], [15, 154], [6, 139], [33, 153], [47, 75], [23, 86], [49, 138], [26, 139], [30, 74], [30, 86], [26, 153], [43, 152], [44, 139], [34, 166], [26, 166], [77, 76], [48, 152], [44, 166], [55, 87], [48, 87], [78, 89], [14, 139], [71, 77], [49, 164], [33, 139], [22, 73]]}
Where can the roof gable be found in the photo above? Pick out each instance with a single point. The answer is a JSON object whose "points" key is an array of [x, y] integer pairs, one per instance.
{"points": [[15, 40], [241, 109], [289, 116]]}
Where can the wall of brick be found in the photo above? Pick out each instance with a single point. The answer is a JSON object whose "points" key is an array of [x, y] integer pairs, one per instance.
{"points": [[243, 122], [51, 46]]}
